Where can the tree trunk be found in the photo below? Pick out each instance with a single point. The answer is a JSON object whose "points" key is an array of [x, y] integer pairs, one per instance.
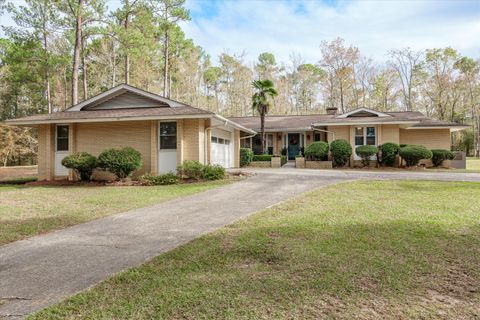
{"points": [[84, 76], [76, 52], [165, 67], [114, 65], [127, 57], [47, 75], [262, 129], [65, 85]]}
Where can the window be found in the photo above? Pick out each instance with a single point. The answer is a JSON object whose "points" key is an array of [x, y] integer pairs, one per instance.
{"points": [[317, 137], [227, 142], [245, 143], [371, 136], [168, 135], [62, 138], [214, 139], [365, 136]]}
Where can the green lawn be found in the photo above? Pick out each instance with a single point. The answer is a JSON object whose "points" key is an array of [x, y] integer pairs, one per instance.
{"points": [[27, 211], [473, 164], [369, 250]]}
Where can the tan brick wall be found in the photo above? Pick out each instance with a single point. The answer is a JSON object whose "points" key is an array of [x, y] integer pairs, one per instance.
{"points": [[191, 139], [180, 142], [341, 132], [390, 133], [43, 135], [96, 137], [430, 138], [154, 147]]}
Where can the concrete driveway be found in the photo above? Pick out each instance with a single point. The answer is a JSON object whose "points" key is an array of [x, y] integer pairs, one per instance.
{"points": [[42, 270]]}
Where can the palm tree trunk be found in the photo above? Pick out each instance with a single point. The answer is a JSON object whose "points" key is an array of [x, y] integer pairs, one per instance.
{"points": [[262, 129]]}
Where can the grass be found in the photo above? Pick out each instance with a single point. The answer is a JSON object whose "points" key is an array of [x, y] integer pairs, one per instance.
{"points": [[21, 180], [28, 211], [368, 250]]}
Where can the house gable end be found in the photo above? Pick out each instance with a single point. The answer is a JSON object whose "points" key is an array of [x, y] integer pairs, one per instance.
{"points": [[362, 112]]}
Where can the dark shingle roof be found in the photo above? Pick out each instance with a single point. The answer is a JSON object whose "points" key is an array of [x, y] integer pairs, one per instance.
{"points": [[304, 122], [115, 113]]}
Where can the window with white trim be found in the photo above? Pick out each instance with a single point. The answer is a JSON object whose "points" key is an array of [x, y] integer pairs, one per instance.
{"points": [[365, 136], [62, 138], [168, 135]]}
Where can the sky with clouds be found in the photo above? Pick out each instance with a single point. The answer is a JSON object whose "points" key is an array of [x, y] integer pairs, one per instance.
{"points": [[284, 27]]}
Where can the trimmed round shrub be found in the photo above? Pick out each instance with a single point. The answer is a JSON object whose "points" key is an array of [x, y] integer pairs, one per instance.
{"points": [[160, 180], [82, 163], [246, 156], [341, 152], [122, 162], [366, 152], [213, 172], [318, 150], [412, 154], [191, 169], [389, 153], [440, 155]]}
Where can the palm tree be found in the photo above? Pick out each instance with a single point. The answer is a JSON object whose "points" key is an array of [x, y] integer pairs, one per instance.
{"points": [[261, 102]]}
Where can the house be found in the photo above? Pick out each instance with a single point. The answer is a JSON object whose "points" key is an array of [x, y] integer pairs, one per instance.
{"points": [[167, 132], [164, 131], [360, 127]]}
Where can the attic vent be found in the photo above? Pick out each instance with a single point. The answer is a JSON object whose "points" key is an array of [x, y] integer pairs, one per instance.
{"points": [[362, 114]]}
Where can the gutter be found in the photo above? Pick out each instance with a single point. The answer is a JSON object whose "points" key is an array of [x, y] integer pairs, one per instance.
{"points": [[323, 130]]}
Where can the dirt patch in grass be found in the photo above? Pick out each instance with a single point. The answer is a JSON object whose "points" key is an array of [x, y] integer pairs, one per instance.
{"points": [[364, 250]]}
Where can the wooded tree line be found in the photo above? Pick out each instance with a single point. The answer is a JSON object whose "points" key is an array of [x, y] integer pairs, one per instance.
{"points": [[61, 52]]}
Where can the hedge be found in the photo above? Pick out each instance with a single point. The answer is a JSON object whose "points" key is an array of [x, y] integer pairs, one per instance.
{"points": [[389, 153], [162, 179], [366, 152], [246, 156], [262, 157], [412, 154], [317, 150], [122, 162], [341, 152], [440, 155], [82, 163]]}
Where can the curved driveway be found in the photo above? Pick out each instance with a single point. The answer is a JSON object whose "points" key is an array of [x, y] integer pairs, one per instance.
{"points": [[42, 270]]}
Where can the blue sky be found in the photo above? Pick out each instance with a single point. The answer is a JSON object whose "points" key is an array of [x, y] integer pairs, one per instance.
{"points": [[284, 27]]}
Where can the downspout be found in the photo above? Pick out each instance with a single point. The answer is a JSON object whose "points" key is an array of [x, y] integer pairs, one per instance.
{"points": [[323, 130]]}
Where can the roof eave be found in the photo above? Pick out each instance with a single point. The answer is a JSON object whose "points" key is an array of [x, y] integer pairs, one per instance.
{"points": [[362, 123]]}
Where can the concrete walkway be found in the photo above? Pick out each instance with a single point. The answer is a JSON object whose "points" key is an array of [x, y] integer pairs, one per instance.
{"points": [[42, 270], [369, 174]]}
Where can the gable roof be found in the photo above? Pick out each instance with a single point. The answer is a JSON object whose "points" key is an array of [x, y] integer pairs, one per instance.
{"points": [[125, 103], [133, 94], [408, 119]]}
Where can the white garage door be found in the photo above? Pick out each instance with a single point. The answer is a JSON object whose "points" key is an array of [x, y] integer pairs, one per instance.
{"points": [[221, 149]]}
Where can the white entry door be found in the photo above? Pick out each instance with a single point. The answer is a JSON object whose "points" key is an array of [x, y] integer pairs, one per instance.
{"points": [[167, 147], [61, 149], [221, 148]]}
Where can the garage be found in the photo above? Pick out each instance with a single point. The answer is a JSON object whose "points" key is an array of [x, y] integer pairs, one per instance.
{"points": [[221, 148]]}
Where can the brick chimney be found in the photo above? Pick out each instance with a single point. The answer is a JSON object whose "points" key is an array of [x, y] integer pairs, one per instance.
{"points": [[332, 111]]}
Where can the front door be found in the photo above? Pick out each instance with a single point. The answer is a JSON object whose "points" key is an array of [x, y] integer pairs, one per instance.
{"points": [[293, 145], [167, 149]]}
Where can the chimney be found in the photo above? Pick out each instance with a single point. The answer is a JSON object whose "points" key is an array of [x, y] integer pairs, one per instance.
{"points": [[332, 111]]}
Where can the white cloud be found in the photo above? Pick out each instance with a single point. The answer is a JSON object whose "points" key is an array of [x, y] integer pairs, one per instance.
{"points": [[283, 27]]}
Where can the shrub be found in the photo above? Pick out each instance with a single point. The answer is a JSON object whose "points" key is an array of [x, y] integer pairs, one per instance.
{"points": [[412, 154], [213, 172], [163, 179], [191, 169], [366, 152], [284, 151], [283, 160], [82, 163], [440, 155], [341, 151], [389, 153], [262, 157], [246, 156], [317, 150], [122, 162]]}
